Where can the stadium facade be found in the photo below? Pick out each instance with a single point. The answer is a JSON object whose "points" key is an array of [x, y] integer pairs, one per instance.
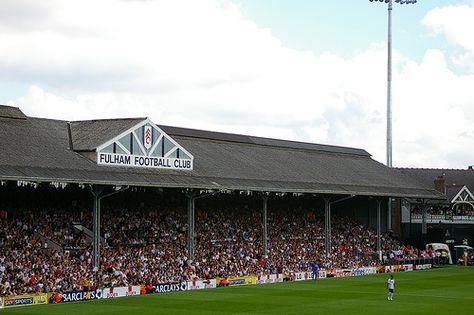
{"points": [[111, 155], [450, 220]]}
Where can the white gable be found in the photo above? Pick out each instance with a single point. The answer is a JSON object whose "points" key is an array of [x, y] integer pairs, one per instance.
{"points": [[463, 196], [144, 145]]}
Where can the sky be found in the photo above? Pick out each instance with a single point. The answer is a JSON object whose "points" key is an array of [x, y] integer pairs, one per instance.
{"points": [[303, 70]]}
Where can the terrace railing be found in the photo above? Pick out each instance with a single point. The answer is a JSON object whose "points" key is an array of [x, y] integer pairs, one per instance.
{"points": [[443, 218]]}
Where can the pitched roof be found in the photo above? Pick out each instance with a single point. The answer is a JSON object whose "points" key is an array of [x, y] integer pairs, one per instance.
{"points": [[452, 191], [455, 179], [11, 112], [37, 149], [89, 134], [452, 176], [204, 134]]}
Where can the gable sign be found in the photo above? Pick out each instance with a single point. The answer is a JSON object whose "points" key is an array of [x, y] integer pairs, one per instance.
{"points": [[144, 145], [463, 196]]}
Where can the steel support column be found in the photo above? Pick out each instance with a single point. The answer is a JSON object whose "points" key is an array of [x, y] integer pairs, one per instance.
{"points": [[97, 196], [379, 241], [265, 225], [191, 224], [389, 214], [192, 197], [327, 225], [96, 191], [327, 222], [409, 226], [96, 232], [424, 229]]}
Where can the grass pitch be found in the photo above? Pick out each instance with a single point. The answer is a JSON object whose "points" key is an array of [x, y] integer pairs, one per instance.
{"points": [[438, 291]]}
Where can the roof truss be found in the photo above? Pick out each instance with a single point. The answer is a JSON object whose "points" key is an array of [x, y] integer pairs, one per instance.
{"points": [[463, 196]]}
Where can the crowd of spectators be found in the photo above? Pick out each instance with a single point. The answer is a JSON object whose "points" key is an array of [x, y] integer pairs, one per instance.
{"points": [[150, 246], [139, 227]]}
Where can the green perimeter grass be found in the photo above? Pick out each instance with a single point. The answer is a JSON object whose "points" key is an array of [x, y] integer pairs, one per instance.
{"points": [[438, 291]]}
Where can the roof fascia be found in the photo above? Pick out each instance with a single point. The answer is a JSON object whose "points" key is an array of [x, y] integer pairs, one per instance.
{"points": [[430, 195]]}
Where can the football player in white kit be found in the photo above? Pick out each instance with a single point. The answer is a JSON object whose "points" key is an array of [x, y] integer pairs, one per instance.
{"points": [[391, 287]]}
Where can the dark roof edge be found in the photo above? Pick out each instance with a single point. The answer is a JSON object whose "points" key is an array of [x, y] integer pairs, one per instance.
{"points": [[107, 119], [430, 194], [49, 119], [431, 169]]}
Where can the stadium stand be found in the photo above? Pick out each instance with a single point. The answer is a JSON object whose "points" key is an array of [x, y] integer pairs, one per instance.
{"points": [[68, 225]]}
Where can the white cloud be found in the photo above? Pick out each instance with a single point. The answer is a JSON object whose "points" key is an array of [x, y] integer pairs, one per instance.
{"points": [[201, 64], [455, 23]]}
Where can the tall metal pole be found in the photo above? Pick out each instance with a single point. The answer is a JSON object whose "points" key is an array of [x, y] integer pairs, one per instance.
{"points": [[389, 87], [389, 93], [389, 106]]}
